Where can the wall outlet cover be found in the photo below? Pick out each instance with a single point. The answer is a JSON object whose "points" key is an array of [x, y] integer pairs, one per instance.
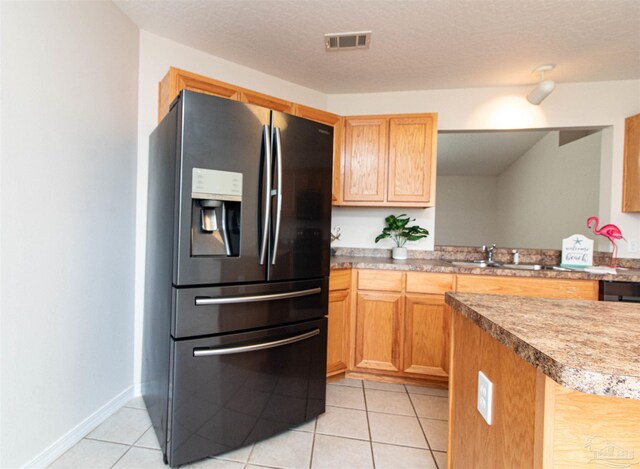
{"points": [[485, 397]]}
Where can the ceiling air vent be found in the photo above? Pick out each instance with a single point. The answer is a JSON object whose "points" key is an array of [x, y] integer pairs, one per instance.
{"points": [[343, 41]]}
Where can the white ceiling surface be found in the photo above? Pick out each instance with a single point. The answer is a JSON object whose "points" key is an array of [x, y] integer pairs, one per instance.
{"points": [[416, 44], [482, 153]]}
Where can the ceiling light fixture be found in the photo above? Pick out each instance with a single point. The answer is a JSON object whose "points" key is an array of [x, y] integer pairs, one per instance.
{"points": [[544, 88]]}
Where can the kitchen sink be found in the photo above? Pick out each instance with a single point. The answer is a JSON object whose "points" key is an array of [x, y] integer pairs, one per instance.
{"points": [[480, 264], [522, 266]]}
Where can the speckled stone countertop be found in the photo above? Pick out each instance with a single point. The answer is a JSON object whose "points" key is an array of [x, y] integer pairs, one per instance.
{"points": [[589, 346], [442, 266]]}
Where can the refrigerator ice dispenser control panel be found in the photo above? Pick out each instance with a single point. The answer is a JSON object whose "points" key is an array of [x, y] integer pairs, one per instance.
{"points": [[216, 185]]}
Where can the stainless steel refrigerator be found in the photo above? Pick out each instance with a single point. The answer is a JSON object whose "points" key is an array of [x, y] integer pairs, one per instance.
{"points": [[237, 266]]}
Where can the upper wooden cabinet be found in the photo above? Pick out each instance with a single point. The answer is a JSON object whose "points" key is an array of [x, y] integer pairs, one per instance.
{"points": [[389, 161], [631, 175], [177, 80]]}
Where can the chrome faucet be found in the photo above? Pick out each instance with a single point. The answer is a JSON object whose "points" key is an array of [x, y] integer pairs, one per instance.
{"points": [[488, 252]]}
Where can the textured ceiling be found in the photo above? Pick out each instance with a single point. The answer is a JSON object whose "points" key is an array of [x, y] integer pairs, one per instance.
{"points": [[482, 153], [416, 44]]}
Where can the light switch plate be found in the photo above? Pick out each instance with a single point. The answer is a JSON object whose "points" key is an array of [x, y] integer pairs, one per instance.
{"points": [[485, 397]]}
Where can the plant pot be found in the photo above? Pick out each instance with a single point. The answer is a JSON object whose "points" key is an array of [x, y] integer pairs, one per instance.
{"points": [[399, 253]]}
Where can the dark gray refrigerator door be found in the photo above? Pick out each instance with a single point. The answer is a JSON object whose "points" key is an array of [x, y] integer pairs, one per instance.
{"points": [[301, 210], [232, 140]]}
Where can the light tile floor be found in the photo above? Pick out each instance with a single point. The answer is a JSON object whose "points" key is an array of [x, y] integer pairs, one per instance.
{"points": [[366, 425]]}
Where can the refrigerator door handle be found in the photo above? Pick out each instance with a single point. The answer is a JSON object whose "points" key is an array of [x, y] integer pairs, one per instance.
{"points": [[252, 299], [266, 145], [277, 193], [255, 347]]}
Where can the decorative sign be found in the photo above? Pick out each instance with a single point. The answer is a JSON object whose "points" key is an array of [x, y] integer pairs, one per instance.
{"points": [[577, 251]]}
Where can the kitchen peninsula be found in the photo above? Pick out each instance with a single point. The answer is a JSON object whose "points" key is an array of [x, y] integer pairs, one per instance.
{"points": [[566, 382]]}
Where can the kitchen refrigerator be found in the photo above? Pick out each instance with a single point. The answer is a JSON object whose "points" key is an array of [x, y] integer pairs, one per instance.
{"points": [[236, 283]]}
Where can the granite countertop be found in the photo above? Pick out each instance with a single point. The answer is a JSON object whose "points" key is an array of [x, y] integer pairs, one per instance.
{"points": [[441, 266], [589, 346]]}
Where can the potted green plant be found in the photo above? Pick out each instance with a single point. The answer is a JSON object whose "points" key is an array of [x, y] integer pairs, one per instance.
{"points": [[400, 233]]}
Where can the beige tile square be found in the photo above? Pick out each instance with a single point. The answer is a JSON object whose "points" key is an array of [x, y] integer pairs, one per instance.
{"points": [[345, 396], [396, 429], [427, 390], [384, 386], [441, 459], [331, 452], [290, 450], [148, 440], [238, 455], [350, 423], [309, 426], [395, 457], [389, 402], [141, 458], [437, 432], [353, 383], [213, 464], [125, 426], [90, 453], [136, 403], [431, 407]]}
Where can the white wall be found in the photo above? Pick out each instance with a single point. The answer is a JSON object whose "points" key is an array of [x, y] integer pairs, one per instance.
{"points": [[466, 210], [535, 190], [570, 105], [157, 54], [69, 95]]}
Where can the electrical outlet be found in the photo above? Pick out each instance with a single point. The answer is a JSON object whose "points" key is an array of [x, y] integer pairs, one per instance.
{"points": [[485, 397], [633, 245]]}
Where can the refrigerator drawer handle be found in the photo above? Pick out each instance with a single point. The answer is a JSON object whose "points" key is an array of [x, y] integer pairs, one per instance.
{"points": [[252, 299], [253, 348]]}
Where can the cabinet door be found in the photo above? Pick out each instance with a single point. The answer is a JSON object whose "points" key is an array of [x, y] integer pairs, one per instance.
{"points": [[426, 339], [410, 159], [631, 173], [338, 332], [378, 331], [364, 160]]}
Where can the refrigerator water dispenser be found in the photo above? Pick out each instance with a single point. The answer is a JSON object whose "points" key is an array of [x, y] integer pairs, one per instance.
{"points": [[216, 200]]}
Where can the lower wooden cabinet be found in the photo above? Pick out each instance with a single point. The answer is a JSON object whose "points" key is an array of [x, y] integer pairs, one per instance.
{"points": [[378, 331], [339, 320], [395, 324], [401, 327], [338, 331], [426, 339]]}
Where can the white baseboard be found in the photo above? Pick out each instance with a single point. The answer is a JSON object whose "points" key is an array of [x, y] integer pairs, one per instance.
{"points": [[77, 433]]}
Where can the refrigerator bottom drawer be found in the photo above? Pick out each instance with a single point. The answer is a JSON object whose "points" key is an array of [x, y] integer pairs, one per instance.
{"points": [[233, 390]]}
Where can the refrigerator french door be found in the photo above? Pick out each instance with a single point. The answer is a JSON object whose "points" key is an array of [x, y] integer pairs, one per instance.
{"points": [[237, 264]]}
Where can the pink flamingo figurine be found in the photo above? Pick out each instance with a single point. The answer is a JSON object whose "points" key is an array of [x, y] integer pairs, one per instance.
{"points": [[612, 233]]}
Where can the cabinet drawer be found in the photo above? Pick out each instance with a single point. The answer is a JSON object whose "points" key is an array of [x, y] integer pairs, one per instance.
{"points": [[534, 287], [340, 280], [419, 282], [380, 280]]}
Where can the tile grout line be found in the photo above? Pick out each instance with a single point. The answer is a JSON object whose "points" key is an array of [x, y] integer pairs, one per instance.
{"points": [[433, 458], [313, 441], [120, 458], [366, 409]]}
